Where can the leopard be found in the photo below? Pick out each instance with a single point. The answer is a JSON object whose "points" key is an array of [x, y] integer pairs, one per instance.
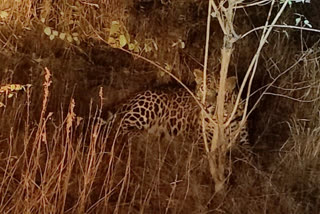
{"points": [[173, 112]]}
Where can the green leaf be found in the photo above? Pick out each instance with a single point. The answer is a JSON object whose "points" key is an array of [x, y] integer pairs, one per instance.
{"points": [[3, 14], [115, 28], [307, 23], [69, 38], [123, 41], [76, 39], [131, 46], [55, 33], [62, 36], [112, 41], [147, 48], [47, 31]]}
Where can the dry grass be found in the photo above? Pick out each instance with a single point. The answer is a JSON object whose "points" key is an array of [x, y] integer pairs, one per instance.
{"points": [[57, 157], [74, 167], [89, 20]]}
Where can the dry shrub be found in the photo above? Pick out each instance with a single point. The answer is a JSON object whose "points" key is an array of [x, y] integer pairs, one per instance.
{"points": [[296, 172]]}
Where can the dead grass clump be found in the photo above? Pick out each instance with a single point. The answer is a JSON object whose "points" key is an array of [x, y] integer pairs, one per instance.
{"points": [[152, 175], [299, 165], [70, 166], [38, 162], [296, 173]]}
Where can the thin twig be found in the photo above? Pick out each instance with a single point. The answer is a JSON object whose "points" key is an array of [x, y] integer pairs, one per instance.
{"points": [[279, 26]]}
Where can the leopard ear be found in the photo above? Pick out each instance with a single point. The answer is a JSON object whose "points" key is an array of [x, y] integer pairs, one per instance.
{"points": [[198, 76], [231, 83]]}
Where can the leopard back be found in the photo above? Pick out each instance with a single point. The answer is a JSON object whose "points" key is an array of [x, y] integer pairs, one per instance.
{"points": [[174, 112], [170, 112]]}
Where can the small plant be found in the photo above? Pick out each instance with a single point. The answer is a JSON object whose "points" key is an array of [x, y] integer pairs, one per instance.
{"points": [[73, 37], [10, 90], [120, 38], [302, 21]]}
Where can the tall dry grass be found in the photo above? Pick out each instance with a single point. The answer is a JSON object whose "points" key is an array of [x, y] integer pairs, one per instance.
{"points": [[297, 164], [72, 166]]}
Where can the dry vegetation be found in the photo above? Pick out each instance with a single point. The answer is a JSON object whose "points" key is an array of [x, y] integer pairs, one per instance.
{"points": [[57, 156]]}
